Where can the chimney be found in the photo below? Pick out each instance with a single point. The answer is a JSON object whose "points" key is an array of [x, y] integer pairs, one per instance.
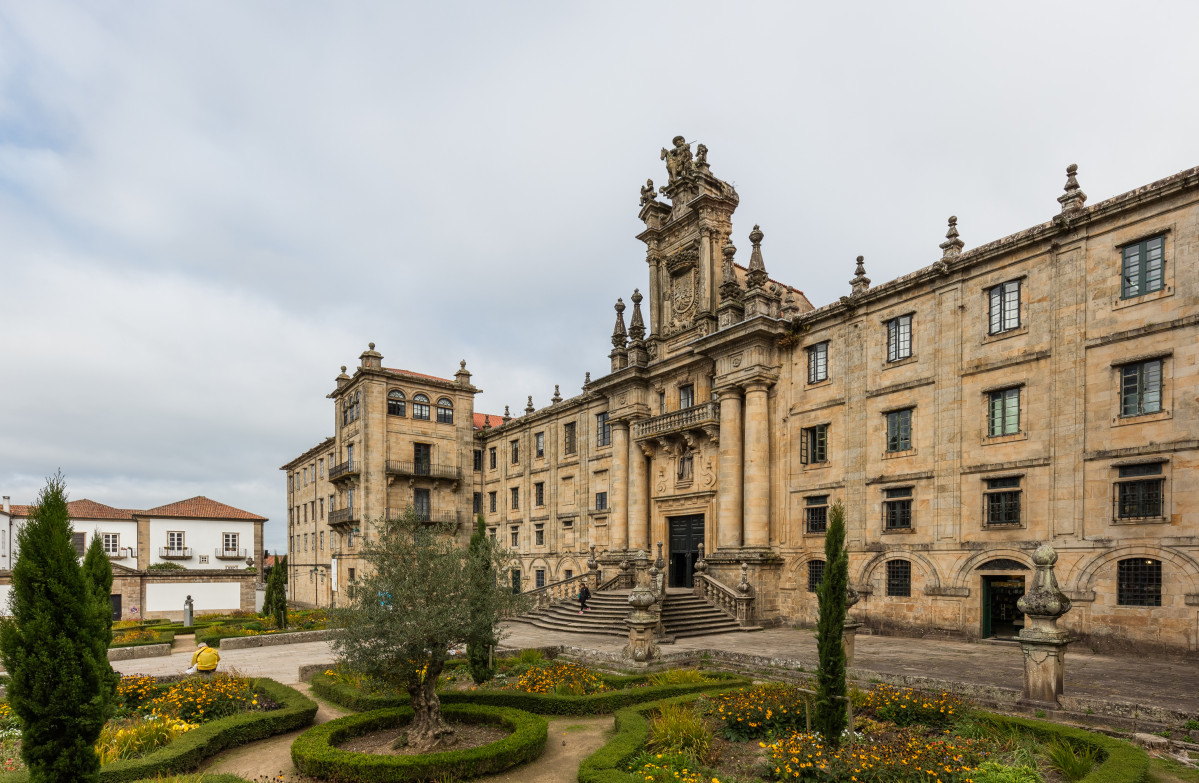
{"points": [[7, 507]]}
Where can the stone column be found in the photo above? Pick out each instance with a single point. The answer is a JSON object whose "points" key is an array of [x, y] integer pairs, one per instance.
{"points": [[619, 502], [638, 497], [1044, 646], [730, 492], [757, 466]]}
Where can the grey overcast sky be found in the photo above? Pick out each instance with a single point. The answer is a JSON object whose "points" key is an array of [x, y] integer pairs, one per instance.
{"points": [[206, 208]]}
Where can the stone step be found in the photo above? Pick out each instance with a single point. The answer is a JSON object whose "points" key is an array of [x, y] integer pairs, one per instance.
{"points": [[683, 615]]}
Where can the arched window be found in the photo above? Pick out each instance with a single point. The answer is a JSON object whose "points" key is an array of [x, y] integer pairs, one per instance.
{"points": [[899, 578], [1139, 582], [395, 403], [420, 407], [815, 574], [445, 411], [349, 408]]}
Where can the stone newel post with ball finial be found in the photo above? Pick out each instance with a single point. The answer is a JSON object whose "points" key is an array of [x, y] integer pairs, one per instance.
{"points": [[1043, 644]]}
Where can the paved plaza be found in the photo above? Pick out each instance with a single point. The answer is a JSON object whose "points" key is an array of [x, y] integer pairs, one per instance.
{"points": [[1165, 683]]}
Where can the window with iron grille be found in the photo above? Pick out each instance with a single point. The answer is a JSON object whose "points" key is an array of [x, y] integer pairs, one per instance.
{"points": [[478, 459], [899, 430], [395, 403], [603, 429], [1002, 499], [515, 492], [514, 447], [1005, 307], [539, 493], [420, 407], [491, 501], [815, 514], [899, 578], [897, 509], [569, 441], [1143, 264], [1003, 412], [601, 501], [539, 577], [813, 444], [445, 411], [539, 445], [1141, 388], [686, 396], [815, 574], [1139, 491], [491, 457], [899, 338], [478, 507], [818, 363], [1139, 582], [539, 534]]}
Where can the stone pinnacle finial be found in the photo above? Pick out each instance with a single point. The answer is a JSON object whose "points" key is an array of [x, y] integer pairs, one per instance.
{"points": [[1073, 198], [557, 398], [952, 246], [729, 287], [1045, 599], [371, 346], [529, 408], [790, 310], [860, 282], [757, 277], [343, 369], [507, 415], [487, 422], [587, 378], [619, 334], [637, 325]]}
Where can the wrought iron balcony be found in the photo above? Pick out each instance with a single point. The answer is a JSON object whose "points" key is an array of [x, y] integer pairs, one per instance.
{"points": [[423, 468], [230, 554], [702, 416], [439, 517], [181, 553], [343, 516], [345, 470]]}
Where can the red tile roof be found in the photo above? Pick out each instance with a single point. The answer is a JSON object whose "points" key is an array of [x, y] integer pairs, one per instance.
{"points": [[418, 374], [480, 418], [200, 507], [83, 509]]}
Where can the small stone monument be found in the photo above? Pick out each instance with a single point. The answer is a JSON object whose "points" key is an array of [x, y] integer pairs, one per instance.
{"points": [[849, 631], [187, 612], [1043, 644], [641, 621]]}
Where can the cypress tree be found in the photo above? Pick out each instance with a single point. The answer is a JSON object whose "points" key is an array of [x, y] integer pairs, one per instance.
{"points": [[482, 636], [97, 573], [830, 718], [53, 647], [274, 603]]}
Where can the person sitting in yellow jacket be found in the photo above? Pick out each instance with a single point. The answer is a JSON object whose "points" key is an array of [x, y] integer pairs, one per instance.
{"points": [[205, 659]]}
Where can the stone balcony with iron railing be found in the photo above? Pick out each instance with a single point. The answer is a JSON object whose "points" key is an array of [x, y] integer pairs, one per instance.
{"points": [[423, 469], [344, 516], [230, 554], [429, 516], [345, 470], [705, 416]]}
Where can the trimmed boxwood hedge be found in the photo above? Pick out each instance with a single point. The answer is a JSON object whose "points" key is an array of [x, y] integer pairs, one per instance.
{"points": [[347, 696], [1122, 762], [315, 752], [187, 752], [213, 638]]}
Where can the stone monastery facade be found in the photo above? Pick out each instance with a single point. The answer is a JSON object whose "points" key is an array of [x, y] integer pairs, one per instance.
{"points": [[1042, 388]]}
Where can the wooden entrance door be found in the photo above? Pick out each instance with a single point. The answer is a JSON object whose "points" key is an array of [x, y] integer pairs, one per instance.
{"points": [[686, 534]]}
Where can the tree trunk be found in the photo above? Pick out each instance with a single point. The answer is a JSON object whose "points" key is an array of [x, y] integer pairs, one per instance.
{"points": [[428, 732]]}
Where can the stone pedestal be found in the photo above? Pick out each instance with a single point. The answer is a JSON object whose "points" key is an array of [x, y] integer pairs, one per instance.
{"points": [[849, 636], [641, 622], [1044, 646]]}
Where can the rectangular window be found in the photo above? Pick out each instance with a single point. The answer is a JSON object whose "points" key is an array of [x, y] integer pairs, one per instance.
{"points": [[1142, 267], [897, 509], [491, 501], [815, 574], [899, 578], [815, 514], [1002, 499], [322, 508], [478, 459], [899, 430], [322, 464], [539, 493], [515, 578], [112, 543], [686, 396], [661, 402], [491, 457], [514, 537], [569, 442], [601, 501], [539, 534], [203, 559], [603, 430], [1004, 307], [899, 338], [1139, 582], [422, 459], [422, 503], [1003, 417], [514, 447], [230, 541], [1139, 491], [568, 574], [351, 573], [175, 539], [813, 444], [478, 503], [322, 539], [818, 363], [539, 445], [515, 492], [1141, 388], [539, 577], [395, 403]]}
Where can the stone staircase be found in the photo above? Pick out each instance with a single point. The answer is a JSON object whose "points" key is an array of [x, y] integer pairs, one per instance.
{"points": [[682, 615]]}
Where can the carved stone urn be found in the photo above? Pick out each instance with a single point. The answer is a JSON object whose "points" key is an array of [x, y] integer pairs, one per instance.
{"points": [[642, 623], [1043, 644]]}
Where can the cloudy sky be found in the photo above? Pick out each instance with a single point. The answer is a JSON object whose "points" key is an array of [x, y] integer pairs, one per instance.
{"points": [[206, 208]]}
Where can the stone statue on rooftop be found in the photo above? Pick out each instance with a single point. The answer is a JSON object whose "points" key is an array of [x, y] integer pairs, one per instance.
{"points": [[678, 160], [648, 193]]}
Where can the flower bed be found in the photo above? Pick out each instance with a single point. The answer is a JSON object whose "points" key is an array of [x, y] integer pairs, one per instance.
{"points": [[235, 627], [315, 752], [138, 636]]}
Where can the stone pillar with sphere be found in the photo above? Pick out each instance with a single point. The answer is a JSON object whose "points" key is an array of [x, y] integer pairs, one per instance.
{"points": [[1043, 643]]}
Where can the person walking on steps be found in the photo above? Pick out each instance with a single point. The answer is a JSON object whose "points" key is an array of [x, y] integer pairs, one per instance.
{"points": [[584, 594], [204, 660]]}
